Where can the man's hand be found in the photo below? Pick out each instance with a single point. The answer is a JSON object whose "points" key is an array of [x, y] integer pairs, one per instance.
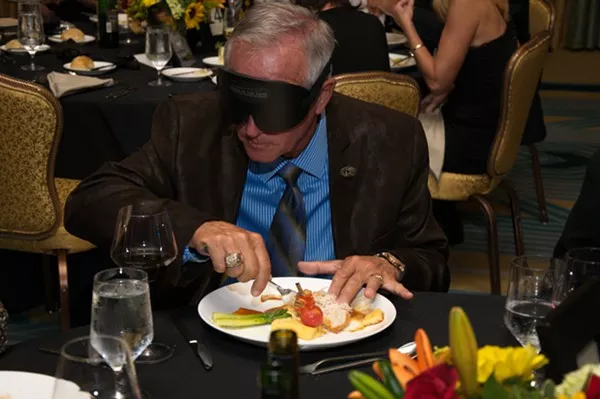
{"points": [[220, 239], [350, 274]]}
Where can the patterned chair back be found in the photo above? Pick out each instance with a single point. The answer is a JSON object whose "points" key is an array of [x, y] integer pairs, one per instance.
{"points": [[30, 127], [399, 92], [541, 17], [521, 78]]}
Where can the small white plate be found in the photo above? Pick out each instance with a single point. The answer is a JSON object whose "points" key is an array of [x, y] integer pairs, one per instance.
{"points": [[106, 68], [213, 61], [7, 23], [232, 297], [57, 39], [401, 61], [23, 385], [187, 74], [41, 49], [395, 39], [94, 18]]}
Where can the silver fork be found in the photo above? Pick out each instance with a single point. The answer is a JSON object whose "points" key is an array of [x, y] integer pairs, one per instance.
{"points": [[282, 291], [313, 368]]}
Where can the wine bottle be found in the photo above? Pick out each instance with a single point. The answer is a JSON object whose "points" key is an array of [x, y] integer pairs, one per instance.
{"points": [[279, 377], [108, 23]]}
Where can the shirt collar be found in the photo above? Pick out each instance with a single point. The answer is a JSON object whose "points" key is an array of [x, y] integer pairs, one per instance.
{"points": [[311, 160]]}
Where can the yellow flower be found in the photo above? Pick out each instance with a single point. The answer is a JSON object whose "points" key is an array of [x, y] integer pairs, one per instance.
{"points": [[149, 3], [578, 395], [194, 15], [508, 363]]}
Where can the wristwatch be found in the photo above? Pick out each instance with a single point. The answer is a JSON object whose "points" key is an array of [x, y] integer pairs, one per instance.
{"points": [[401, 267]]}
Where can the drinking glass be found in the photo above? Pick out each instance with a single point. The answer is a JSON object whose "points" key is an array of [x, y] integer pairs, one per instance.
{"points": [[31, 31], [529, 298], [158, 51], [581, 265], [121, 308], [82, 372], [233, 14], [144, 239]]}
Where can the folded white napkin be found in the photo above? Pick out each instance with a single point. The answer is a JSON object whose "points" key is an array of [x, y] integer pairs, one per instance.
{"points": [[142, 59], [433, 124], [62, 84]]}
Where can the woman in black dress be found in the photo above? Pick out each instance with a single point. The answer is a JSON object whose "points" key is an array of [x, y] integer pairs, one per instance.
{"points": [[360, 38], [465, 74]]}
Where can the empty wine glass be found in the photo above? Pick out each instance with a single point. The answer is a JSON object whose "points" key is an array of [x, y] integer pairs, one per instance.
{"points": [[31, 31], [82, 372], [232, 15], [158, 51], [529, 298], [581, 265]]}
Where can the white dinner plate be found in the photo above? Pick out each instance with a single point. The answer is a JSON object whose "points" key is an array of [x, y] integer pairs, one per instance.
{"points": [[7, 23], [400, 61], [212, 61], [106, 68], [86, 39], [42, 48], [186, 74], [232, 297], [24, 385], [94, 18], [395, 39]]}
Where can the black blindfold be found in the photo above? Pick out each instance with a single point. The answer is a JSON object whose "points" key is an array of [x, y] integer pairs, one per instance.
{"points": [[275, 106]]}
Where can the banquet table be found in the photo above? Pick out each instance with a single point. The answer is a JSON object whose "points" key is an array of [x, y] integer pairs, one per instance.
{"points": [[236, 363], [97, 129]]}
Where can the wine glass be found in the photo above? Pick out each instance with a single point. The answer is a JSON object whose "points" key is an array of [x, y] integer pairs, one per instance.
{"points": [[233, 14], [581, 265], [31, 31], [83, 373], [144, 239], [529, 298], [158, 51]]}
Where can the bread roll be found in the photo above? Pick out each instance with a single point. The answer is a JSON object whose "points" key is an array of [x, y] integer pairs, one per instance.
{"points": [[74, 34], [82, 62], [14, 44]]}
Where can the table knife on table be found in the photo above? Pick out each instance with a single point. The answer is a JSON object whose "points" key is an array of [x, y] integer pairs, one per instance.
{"points": [[199, 348]]}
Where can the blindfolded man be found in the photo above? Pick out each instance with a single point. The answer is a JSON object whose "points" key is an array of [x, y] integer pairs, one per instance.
{"points": [[275, 175]]}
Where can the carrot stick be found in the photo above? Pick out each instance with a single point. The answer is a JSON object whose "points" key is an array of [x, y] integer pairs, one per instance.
{"points": [[400, 359]]}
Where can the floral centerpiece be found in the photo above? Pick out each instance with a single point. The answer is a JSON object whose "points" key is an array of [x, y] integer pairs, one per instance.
{"points": [[185, 14], [463, 370]]}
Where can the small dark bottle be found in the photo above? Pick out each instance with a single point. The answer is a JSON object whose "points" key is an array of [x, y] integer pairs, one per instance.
{"points": [[108, 24], [279, 377]]}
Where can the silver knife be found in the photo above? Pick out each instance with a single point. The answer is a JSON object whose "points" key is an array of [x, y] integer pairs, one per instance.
{"points": [[198, 347]]}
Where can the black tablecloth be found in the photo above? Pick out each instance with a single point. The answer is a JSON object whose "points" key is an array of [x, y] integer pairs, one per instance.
{"points": [[237, 363], [95, 129]]}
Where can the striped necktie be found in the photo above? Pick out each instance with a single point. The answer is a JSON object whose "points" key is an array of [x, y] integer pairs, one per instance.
{"points": [[287, 235]]}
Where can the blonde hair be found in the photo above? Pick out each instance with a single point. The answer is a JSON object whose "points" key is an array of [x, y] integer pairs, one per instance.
{"points": [[441, 8]]}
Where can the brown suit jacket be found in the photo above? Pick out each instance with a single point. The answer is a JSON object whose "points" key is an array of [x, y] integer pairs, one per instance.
{"points": [[196, 164]]}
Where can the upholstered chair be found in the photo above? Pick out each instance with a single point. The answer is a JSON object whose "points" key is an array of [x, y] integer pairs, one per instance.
{"points": [[521, 77], [399, 92], [31, 199], [541, 18]]}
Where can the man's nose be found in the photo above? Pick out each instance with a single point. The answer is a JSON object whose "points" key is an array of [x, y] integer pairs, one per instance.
{"points": [[251, 130]]}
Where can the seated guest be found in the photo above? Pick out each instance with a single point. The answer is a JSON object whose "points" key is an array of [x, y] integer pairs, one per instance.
{"points": [[466, 73], [361, 44], [277, 175], [581, 229]]}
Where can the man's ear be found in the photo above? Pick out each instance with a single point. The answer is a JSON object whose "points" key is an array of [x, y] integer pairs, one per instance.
{"points": [[325, 95]]}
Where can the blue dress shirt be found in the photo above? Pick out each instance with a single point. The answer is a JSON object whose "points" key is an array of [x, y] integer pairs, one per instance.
{"points": [[264, 188]]}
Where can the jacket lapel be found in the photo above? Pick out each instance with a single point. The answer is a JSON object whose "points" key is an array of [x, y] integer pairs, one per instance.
{"points": [[344, 177], [234, 165]]}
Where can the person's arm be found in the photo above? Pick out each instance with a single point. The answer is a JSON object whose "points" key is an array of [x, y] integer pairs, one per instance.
{"points": [[581, 229], [92, 208], [422, 247]]}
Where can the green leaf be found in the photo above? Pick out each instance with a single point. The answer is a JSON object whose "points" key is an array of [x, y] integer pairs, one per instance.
{"points": [[492, 389]]}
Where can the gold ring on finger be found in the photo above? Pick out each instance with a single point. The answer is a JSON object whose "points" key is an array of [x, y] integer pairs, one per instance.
{"points": [[377, 276]]}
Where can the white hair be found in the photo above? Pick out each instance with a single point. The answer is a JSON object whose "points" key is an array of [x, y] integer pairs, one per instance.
{"points": [[267, 24]]}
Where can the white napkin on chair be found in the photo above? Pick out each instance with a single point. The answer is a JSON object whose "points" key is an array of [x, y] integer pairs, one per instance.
{"points": [[435, 133], [62, 84]]}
